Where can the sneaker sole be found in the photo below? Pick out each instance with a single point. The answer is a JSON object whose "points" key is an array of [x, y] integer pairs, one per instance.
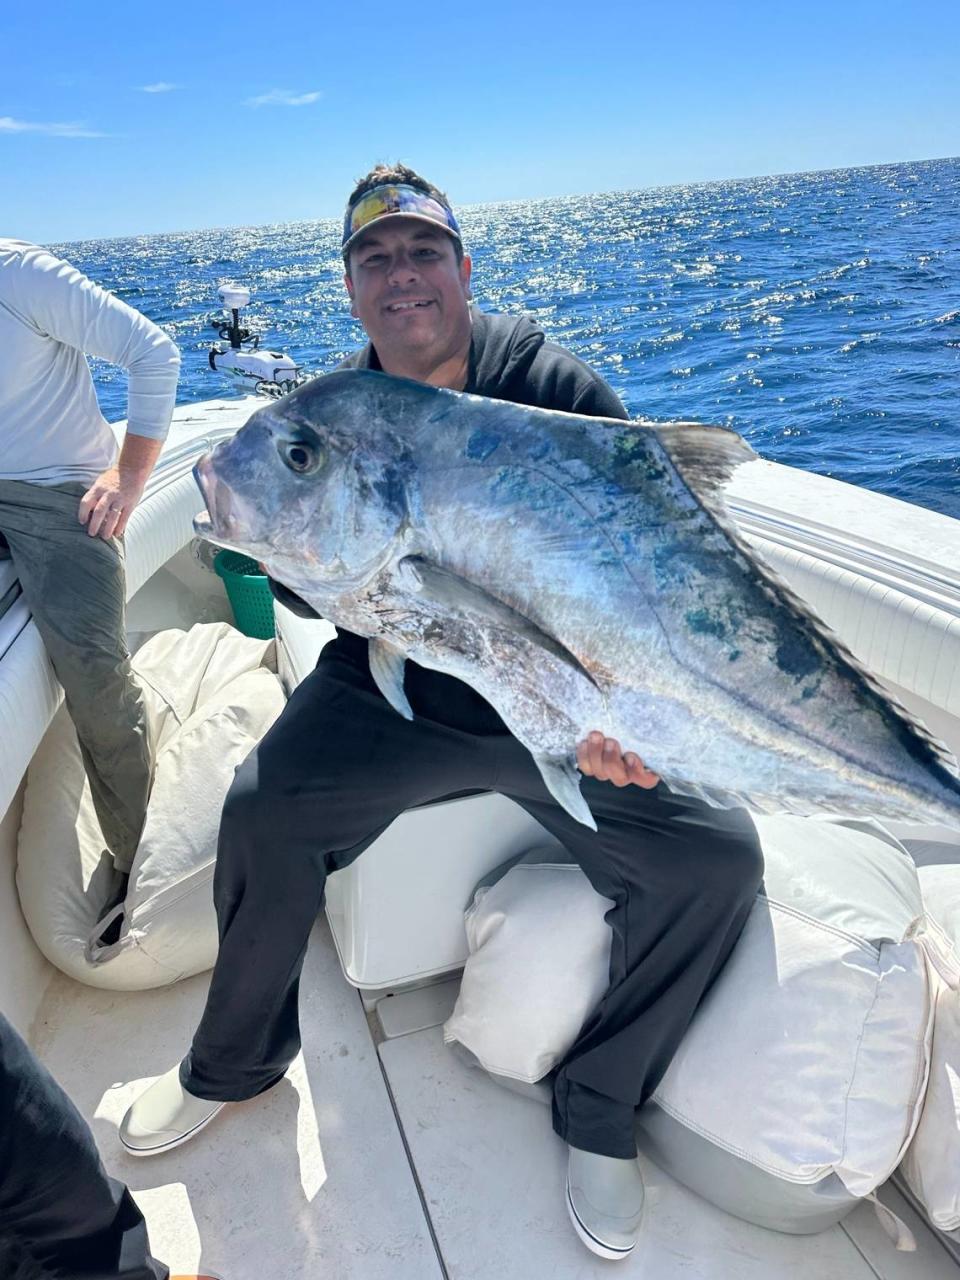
{"points": [[610, 1252], [142, 1152]]}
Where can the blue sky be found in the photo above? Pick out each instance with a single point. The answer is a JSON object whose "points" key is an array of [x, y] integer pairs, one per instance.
{"points": [[129, 119]]}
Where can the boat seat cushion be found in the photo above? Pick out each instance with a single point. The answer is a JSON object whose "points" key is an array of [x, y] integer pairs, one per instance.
{"points": [[506, 925], [931, 1166], [799, 1082], [210, 695]]}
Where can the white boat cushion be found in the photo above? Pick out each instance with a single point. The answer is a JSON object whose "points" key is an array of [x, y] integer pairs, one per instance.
{"points": [[506, 926], [808, 1057], [210, 698], [931, 1166]]}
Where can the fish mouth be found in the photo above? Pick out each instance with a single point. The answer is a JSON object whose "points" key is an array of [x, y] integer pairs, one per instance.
{"points": [[216, 523]]}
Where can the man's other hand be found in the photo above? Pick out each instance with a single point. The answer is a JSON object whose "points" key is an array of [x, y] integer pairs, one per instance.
{"points": [[601, 758], [109, 503]]}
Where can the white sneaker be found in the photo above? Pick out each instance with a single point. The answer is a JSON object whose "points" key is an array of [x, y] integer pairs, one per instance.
{"points": [[605, 1202], [164, 1116]]}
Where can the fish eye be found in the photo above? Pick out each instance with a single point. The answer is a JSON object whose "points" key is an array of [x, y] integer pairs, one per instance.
{"points": [[299, 456]]}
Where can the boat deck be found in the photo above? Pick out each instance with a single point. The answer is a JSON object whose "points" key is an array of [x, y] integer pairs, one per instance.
{"points": [[382, 1155]]}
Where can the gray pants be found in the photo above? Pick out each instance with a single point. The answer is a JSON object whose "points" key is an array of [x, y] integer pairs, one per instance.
{"points": [[74, 586]]}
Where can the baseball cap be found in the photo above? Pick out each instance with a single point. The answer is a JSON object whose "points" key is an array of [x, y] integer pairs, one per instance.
{"points": [[391, 200]]}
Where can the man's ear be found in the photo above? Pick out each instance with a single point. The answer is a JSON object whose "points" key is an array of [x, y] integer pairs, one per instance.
{"points": [[349, 286], [466, 266]]}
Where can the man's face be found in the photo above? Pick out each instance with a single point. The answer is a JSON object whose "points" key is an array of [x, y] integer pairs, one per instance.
{"points": [[411, 295]]}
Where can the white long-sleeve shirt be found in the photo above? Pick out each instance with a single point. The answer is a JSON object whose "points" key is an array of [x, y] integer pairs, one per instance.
{"points": [[51, 427]]}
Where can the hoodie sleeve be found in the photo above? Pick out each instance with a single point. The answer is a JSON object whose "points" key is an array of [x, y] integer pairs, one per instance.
{"points": [[598, 400], [510, 359], [365, 358]]}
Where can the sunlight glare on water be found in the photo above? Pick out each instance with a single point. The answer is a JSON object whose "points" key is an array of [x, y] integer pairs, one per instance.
{"points": [[817, 314]]}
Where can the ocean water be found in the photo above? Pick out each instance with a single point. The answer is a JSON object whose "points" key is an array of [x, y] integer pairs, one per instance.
{"points": [[818, 314]]}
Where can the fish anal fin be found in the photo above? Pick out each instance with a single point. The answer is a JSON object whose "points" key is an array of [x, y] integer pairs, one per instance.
{"points": [[780, 592], [806, 805], [720, 798], [562, 779]]}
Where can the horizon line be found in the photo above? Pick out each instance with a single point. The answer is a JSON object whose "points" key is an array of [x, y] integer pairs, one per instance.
{"points": [[482, 204]]}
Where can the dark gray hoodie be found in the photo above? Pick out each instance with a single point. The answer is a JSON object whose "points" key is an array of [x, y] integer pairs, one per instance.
{"points": [[511, 359]]}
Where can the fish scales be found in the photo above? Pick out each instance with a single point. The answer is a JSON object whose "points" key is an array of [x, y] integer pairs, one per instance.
{"points": [[580, 574]]}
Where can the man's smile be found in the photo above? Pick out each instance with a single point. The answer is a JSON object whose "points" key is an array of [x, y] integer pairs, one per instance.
{"points": [[408, 304]]}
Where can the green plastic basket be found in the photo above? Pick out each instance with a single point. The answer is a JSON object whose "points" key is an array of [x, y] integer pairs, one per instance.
{"points": [[248, 593]]}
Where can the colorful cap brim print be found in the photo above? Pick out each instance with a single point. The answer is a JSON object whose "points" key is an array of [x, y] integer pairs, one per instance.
{"points": [[393, 200]]}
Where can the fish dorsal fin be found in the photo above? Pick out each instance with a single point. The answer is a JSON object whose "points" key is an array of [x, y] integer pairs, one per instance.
{"points": [[778, 589], [706, 457], [706, 478]]}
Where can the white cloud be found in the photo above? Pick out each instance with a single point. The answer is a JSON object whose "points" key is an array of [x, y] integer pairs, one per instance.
{"points": [[162, 86], [66, 129], [285, 98]]}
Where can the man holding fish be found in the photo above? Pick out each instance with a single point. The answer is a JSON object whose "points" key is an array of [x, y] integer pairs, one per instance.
{"points": [[341, 763]]}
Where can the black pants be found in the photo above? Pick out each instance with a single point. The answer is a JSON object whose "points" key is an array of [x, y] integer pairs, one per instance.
{"points": [[332, 774], [60, 1215]]}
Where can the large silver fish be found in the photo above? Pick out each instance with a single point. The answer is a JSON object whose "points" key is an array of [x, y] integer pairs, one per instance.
{"points": [[580, 574]]}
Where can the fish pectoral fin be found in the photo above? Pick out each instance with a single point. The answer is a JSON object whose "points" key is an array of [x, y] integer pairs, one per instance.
{"points": [[386, 667], [455, 593], [460, 596], [562, 779]]}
